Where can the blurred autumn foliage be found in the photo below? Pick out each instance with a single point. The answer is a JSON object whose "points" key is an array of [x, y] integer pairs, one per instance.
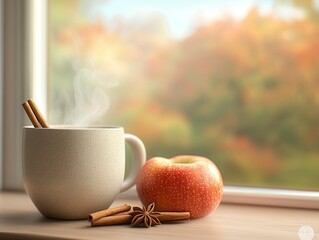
{"points": [[243, 92]]}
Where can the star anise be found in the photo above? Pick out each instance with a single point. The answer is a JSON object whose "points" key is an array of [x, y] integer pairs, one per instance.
{"points": [[144, 215]]}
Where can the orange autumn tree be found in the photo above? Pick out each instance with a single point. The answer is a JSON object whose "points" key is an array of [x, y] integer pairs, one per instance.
{"points": [[240, 91], [253, 79]]}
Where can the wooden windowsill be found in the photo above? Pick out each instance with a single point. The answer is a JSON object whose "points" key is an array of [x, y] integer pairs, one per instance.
{"points": [[19, 219]]}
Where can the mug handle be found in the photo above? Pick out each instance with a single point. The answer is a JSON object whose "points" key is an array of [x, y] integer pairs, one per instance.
{"points": [[139, 158]]}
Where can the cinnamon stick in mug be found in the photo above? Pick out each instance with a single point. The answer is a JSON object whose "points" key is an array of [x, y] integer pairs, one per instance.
{"points": [[31, 115], [38, 114]]}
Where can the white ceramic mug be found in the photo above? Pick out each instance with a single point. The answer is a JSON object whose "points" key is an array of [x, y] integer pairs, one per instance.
{"points": [[71, 172]]}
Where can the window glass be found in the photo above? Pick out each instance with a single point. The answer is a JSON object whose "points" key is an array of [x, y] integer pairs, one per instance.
{"points": [[235, 81]]}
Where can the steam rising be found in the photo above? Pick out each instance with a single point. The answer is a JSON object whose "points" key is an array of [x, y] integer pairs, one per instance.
{"points": [[90, 92]]}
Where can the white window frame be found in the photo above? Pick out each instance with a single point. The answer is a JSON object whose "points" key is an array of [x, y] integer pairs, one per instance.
{"points": [[24, 76], [1, 94], [30, 16], [271, 197]]}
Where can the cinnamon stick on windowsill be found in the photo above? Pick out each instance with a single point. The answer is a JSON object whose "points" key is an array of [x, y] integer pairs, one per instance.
{"points": [[108, 212], [127, 218], [124, 215], [173, 216], [113, 220]]}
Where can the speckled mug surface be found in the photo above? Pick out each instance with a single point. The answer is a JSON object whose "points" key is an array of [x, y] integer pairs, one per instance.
{"points": [[71, 172]]}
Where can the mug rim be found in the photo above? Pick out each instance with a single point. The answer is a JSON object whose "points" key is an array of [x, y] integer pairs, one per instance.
{"points": [[74, 127]]}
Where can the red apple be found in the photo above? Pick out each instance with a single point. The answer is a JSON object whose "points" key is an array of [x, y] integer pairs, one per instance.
{"points": [[183, 183]]}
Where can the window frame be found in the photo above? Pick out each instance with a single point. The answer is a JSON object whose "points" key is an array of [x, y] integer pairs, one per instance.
{"points": [[27, 55], [22, 45], [271, 197], [1, 94]]}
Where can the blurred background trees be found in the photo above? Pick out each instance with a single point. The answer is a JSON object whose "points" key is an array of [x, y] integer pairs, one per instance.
{"points": [[243, 92]]}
